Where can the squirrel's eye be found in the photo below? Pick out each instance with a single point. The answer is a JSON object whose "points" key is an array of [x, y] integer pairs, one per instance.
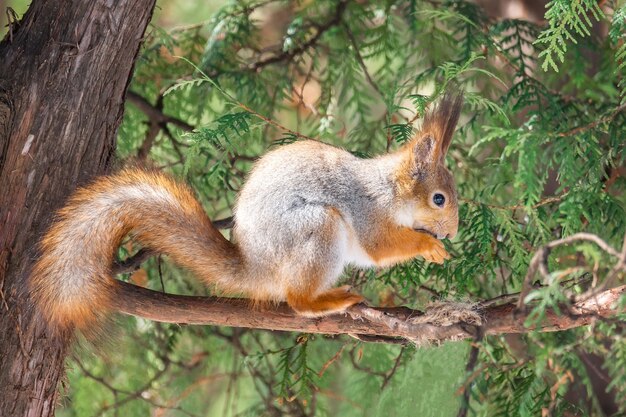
{"points": [[439, 200]]}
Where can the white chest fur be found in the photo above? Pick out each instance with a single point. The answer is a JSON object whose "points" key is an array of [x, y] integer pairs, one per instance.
{"points": [[351, 251]]}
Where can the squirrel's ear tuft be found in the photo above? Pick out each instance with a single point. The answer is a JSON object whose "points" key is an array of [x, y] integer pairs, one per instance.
{"points": [[424, 150], [431, 144], [441, 121]]}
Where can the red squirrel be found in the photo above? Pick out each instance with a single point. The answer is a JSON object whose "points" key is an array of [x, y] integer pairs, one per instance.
{"points": [[306, 211]]}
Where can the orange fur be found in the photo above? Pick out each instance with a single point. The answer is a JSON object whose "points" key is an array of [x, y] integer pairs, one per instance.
{"points": [[398, 244], [71, 282], [324, 303]]}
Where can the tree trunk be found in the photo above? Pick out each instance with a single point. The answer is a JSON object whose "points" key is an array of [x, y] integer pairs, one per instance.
{"points": [[63, 77]]}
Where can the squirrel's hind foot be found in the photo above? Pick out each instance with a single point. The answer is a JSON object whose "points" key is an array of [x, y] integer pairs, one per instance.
{"points": [[333, 301]]}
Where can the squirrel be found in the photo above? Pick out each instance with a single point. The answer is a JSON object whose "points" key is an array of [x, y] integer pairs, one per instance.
{"points": [[306, 211]]}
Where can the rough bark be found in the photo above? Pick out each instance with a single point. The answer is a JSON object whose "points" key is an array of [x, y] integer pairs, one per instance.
{"points": [[63, 77], [376, 324]]}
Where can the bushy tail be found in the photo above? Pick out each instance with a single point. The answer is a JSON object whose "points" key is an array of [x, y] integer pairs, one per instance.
{"points": [[72, 284]]}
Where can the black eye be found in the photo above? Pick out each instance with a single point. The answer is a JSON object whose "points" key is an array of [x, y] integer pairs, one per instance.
{"points": [[439, 200]]}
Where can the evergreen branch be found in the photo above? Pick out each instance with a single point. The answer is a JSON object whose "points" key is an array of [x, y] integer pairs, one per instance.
{"points": [[271, 121], [136, 395], [594, 124], [241, 105], [544, 202], [519, 69], [360, 319], [148, 142], [565, 17], [288, 55]]}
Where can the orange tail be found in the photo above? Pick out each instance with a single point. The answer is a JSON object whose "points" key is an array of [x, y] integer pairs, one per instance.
{"points": [[72, 284]]}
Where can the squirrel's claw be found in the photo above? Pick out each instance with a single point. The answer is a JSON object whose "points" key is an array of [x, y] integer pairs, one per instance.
{"points": [[435, 252]]}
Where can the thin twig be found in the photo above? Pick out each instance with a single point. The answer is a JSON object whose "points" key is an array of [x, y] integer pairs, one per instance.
{"points": [[393, 370], [611, 276], [539, 259], [270, 121], [331, 360], [360, 60], [469, 369]]}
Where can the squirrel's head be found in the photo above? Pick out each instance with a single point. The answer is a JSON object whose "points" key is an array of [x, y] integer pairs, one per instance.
{"points": [[426, 188]]}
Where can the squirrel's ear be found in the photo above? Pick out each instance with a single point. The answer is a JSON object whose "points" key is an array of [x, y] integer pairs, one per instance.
{"points": [[441, 121], [424, 156]]}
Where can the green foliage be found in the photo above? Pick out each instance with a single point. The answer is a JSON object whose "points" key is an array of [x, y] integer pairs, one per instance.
{"points": [[538, 156], [615, 364], [222, 136], [297, 376], [566, 18], [617, 34]]}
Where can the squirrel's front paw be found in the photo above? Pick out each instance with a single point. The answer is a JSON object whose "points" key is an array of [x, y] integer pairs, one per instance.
{"points": [[434, 251]]}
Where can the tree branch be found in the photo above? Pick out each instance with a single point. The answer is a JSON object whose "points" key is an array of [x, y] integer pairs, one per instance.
{"points": [[133, 263], [225, 223], [319, 31], [154, 113], [595, 123], [360, 320]]}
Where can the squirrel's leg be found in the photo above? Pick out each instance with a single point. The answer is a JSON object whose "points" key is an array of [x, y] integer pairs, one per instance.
{"points": [[308, 293], [397, 244], [328, 302]]}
